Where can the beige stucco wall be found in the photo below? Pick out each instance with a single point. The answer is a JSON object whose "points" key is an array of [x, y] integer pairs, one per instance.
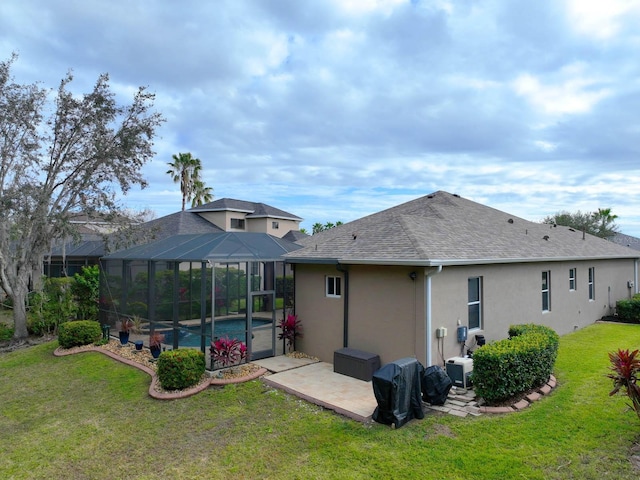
{"points": [[512, 295], [220, 219], [257, 225], [321, 317], [265, 225], [387, 309]]}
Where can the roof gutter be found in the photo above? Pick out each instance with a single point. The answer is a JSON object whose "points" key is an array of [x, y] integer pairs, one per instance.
{"points": [[428, 313], [452, 262]]}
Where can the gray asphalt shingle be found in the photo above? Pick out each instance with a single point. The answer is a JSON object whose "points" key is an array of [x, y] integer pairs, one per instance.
{"points": [[442, 228]]}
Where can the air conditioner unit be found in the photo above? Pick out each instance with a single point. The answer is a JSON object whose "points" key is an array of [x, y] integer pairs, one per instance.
{"points": [[459, 371]]}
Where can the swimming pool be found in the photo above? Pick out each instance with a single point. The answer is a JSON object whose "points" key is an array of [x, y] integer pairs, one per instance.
{"points": [[190, 335]]}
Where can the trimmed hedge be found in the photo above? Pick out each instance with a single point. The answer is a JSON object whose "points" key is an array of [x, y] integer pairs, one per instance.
{"points": [[506, 368], [629, 310], [179, 369], [78, 333]]}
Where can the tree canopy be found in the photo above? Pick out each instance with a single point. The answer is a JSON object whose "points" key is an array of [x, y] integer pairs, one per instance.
{"points": [[185, 170], [600, 223], [319, 227], [61, 155]]}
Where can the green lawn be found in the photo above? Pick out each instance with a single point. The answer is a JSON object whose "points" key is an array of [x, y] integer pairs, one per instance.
{"points": [[87, 416]]}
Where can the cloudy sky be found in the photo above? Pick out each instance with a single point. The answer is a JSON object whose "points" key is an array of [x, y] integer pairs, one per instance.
{"points": [[334, 109]]}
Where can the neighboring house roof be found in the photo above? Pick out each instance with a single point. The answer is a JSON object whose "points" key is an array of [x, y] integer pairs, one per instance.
{"points": [[216, 247], [295, 236], [445, 229], [182, 222], [626, 240], [90, 245], [252, 209]]}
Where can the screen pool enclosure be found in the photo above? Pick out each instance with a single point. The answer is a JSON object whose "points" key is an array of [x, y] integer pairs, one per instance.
{"points": [[196, 288]]}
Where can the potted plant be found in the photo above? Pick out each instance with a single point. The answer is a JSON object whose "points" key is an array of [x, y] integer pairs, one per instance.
{"points": [[291, 329], [155, 343], [124, 328], [227, 352]]}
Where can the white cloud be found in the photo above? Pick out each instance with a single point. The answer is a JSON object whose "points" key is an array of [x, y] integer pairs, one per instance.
{"points": [[574, 92], [601, 19]]}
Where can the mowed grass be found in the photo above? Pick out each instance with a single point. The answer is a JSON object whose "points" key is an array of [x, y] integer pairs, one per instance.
{"points": [[87, 416]]}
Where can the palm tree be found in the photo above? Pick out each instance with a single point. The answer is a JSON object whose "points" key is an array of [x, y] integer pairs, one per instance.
{"points": [[186, 170], [605, 223], [201, 194]]}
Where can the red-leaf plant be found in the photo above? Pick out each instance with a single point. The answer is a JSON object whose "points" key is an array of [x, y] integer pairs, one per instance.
{"points": [[291, 328], [626, 368], [226, 351]]}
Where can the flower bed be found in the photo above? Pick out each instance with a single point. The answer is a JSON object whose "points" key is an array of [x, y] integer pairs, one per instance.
{"points": [[143, 360]]}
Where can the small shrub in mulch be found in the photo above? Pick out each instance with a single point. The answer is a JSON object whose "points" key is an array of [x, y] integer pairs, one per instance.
{"points": [[180, 369], [79, 333]]}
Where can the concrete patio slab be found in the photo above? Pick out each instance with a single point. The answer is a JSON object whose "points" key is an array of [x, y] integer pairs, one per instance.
{"points": [[319, 384], [282, 363]]}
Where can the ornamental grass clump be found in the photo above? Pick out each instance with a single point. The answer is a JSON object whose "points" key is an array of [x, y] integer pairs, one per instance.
{"points": [[625, 368], [180, 369], [79, 333]]}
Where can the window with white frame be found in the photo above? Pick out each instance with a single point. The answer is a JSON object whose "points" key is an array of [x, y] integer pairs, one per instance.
{"points": [[275, 225], [333, 286], [546, 291], [572, 279], [592, 283], [474, 302]]}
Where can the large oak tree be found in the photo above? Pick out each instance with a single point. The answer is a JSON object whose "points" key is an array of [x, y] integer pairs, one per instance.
{"points": [[61, 154]]}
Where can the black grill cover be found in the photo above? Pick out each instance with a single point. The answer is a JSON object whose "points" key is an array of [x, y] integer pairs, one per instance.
{"points": [[435, 385], [397, 390]]}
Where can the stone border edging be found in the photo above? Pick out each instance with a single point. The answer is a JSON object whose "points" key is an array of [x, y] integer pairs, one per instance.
{"points": [[546, 389], [59, 352]]}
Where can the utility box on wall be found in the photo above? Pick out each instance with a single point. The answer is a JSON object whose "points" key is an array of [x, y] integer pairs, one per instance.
{"points": [[459, 370]]}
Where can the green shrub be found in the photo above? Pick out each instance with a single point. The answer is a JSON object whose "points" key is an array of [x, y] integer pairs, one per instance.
{"points": [[515, 365], [179, 369], [6, 332], [54, 305], [86, 291], [78, 333], [629, 310]]}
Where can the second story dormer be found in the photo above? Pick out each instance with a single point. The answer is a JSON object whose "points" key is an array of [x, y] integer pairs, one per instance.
{"points": [[241, 216]]}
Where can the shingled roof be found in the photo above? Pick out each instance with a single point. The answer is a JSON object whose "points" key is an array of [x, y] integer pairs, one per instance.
{"points": [[252, 209], [445, 229], [179, 223]]}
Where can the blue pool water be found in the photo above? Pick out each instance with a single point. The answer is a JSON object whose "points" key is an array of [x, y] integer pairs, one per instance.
{"points": [[190, 336]]}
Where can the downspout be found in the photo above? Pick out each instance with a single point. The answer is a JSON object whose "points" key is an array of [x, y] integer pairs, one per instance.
{"points": [[345, 321], [635, 276], [428, 322]]}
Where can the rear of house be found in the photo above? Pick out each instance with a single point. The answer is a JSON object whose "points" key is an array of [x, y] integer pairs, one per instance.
{"points": [[393, 282]]}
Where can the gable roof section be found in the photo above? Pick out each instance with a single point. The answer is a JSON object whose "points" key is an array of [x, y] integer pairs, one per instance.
{"points": [[445, 229], [252, 209], [177, 224], [214, 247]]}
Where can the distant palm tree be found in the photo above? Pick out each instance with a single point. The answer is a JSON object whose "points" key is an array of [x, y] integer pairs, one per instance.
{"points": [[605, 223], [201, 194], [185, 170]]}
